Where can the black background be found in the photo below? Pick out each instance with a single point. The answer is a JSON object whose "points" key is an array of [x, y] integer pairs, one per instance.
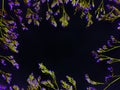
{"points": [[67, 51]]}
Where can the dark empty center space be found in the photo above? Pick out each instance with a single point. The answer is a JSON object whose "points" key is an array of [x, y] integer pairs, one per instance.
{"points": [[67, 51]]}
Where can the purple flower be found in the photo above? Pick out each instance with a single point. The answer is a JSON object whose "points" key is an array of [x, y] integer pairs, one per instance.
{"points": [[57, 12], [86, 10], [18, 11], [91, 88], [113, 39], [60, 1], [7, 40], [7, 77], [29, 15], [16, 65], [11, 4], [67, 1], [99, 50], [10, 88], [11, 57], [36, 16], [28, 3], [110, 61], [107, 77], [16, 43], [118, 27], [99, 60], [20, 18], [43, 1], [119, 23], [3, 62], [108, 43], [17, 3], [5, 47], [3, 87], [116, 1], [14, 35], [9, 80], [3, 76], [95, 54], [110, 69], [24, 28]]}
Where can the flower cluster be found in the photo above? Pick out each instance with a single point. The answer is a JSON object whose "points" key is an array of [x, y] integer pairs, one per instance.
{"points": [[25, 12], [33, 82], [50, 83], [8, 39], [111, 45], [100, 56], [6, 76]]}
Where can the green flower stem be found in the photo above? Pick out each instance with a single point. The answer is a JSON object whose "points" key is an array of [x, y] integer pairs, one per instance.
{"points": [[1, 18], [115, 60], [55, 82], [2, 8], [111, 83], [99, 7], [75, 87], [110, 49], [104, 57], [5, 58]]}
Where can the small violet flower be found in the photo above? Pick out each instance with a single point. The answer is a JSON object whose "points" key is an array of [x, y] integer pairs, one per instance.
{"points": [[11, 4], [3, 62]]}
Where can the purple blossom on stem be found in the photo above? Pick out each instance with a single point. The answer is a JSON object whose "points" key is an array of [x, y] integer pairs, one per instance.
{"points": [[10, 88], [7, 40], [118, 27], [24, 27], [99, 50], [95, 54], [110, 61], [28, 3], [3, 76], [20, 19], [110, 69], [2, 87], [67, 1], [91, 88], [108, 43], [43, 1], [16, 65], [36, 6], [113, 39], [5, 47], [29, 15], [12, 23], [119, 23], [86, 10], [60, 1], [99, 60], [7, 77], [14, 36], [11, 4], [107, 77], [11, 57], [18, 11], [3, 62], [17, 3]]}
